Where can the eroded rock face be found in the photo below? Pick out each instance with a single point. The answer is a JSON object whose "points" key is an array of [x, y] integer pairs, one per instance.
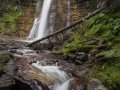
{"points": [[10, 80], [25, 23], [87, 78], [77, 11], [95, 84], [4, 57]]}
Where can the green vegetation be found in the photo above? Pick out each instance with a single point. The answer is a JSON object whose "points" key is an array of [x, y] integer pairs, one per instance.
{"points": [[9, 15], [106, 25], [91, 3], [109, 73], [73, 44], [8, 21]]}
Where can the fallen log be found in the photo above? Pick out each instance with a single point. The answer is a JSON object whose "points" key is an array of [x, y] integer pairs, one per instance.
{"points": [[68, 27]]}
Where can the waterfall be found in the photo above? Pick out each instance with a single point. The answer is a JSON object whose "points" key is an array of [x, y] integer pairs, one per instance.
{"points": [[63, 81], [40, 24], [68, 12]]}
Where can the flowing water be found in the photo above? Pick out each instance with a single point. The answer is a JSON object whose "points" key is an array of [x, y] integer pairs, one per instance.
{"points": [[63, 81], [68, 12], [60, 79], [40, 24]]}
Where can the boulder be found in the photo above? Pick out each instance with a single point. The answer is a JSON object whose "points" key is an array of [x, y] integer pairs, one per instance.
{"points": [[95, 84], [82, 57], [4, 57]]}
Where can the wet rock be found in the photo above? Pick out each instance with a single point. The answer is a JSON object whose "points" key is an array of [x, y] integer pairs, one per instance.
{"points": [[23, 84], [46, 51], [13, 47], [57, 52], [78, 62], [87, 78], [2, 47], [7, 77], [95, 84], [82, 57], [83, 73], [10, 68], [6, 80], [4, 57], [33, 60], [69, 57]]}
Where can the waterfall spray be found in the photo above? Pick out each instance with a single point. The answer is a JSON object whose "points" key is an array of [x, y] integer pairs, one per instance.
{"points": [[44, 18], [63, 81], [68, 12], [40, 24]]}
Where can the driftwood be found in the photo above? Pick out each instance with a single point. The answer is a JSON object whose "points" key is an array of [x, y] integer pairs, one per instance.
{"points": [[61, 31]]}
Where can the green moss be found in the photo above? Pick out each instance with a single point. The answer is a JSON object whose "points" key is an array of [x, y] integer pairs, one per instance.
{"points": [[105, 24], [109, 73], [86, 47], [74, 45], [4, 57], [8, 21], [91, 3], [68, 48], [9, 17]]}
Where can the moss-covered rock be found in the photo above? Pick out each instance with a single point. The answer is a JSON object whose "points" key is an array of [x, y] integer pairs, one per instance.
{"points": [[4, 57]]}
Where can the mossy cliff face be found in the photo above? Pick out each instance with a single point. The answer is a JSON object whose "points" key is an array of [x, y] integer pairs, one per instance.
{"points": [[26, 21], [9, 14], [77, 10], [16, 17]]}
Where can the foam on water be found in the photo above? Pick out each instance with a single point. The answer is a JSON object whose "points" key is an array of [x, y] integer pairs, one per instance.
{"points": [[63, 81], [38, 30]]}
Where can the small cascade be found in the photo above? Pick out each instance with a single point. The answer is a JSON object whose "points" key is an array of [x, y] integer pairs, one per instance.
{"points": [[40, 24], [68, 12], [34, 29], [50, 28], [63, 81]]}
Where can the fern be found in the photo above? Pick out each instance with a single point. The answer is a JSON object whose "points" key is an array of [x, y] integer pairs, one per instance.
{"points": [[109, 53]]}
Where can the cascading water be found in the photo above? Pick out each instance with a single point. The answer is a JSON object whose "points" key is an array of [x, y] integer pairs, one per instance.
{"points": [[63, 81], [40, 24], [43, 25], [68, 12]]}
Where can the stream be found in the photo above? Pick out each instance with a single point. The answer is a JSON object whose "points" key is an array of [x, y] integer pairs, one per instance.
{"points": [[53, 72], [46, 68]]}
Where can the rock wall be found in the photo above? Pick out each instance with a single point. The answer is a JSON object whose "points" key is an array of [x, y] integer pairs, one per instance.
{"points": [[25, 23], [77, 11]]}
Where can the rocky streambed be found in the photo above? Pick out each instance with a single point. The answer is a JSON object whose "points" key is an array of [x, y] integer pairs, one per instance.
{"points": [[19, 72]]}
